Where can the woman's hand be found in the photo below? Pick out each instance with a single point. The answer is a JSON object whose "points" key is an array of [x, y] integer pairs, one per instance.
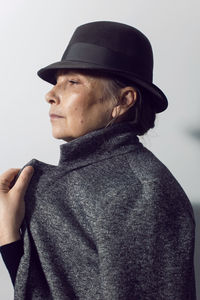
{"points": [[12, 205]]}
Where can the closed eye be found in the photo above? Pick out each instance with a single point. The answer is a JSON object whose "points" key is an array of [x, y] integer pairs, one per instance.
{"points": [[73, 82]]}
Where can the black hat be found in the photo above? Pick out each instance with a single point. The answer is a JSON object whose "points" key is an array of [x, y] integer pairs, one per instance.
{"points": [[116, 49]]}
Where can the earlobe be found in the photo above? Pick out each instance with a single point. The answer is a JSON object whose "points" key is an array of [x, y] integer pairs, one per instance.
{"points": [[116, 111]]}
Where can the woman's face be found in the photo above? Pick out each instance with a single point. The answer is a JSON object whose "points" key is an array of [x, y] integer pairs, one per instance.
{"points": [[78, 98]]}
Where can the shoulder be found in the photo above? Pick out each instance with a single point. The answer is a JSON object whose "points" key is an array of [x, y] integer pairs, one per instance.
{"points": [[152, 173], [154, 184], [146, 165]]}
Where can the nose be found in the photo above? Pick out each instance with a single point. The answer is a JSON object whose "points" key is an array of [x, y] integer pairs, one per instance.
{"points": [[51, 96]]}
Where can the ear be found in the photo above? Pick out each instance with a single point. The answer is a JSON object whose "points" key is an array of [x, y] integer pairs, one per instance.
{"points": [[128, 97]]}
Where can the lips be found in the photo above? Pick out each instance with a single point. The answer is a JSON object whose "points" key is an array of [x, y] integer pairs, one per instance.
{"points": [[55, 116]]}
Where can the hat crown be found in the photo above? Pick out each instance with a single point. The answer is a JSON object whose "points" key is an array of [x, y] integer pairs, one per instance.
{"points": [[125, 42]]}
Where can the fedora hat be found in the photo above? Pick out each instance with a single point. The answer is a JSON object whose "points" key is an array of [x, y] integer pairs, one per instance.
{"points": [[116, 49]]}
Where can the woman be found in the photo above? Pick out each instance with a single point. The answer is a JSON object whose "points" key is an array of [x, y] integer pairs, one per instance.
{"points": [[110, 221]]}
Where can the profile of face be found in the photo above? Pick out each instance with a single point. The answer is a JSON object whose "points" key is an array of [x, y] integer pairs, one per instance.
{"points": [[78, 99]]}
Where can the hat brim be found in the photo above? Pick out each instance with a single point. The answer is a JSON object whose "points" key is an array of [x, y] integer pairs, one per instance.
{"points": [[156, 96]]}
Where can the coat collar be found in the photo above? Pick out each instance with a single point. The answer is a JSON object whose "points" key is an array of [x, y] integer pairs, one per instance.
{"points": [[98, 145]]}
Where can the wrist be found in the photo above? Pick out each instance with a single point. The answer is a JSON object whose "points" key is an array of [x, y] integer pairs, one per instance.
{"points": [[9, 238]]}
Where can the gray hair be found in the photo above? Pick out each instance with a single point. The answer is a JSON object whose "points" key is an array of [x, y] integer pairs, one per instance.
{"points": [[141, 115], [111, 90]]}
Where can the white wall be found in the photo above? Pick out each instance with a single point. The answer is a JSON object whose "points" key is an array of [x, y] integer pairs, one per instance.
{"points": [[34, 33]]}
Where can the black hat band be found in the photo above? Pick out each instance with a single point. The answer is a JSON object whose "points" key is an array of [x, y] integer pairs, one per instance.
{"points": [[106, 58]]}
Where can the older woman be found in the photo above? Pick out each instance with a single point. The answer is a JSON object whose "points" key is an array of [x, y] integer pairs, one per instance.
{"points": [[110, 221]]}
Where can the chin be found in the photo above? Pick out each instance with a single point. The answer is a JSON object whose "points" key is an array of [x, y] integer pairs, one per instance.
{"points": [[60, 136], [68, 139]]}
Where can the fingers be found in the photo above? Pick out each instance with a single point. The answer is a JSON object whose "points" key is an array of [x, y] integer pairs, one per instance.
{"points": [[23, 180], [6, 178]]}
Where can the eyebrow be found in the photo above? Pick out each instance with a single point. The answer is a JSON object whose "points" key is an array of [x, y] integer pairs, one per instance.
{"points": [[72, 73]]}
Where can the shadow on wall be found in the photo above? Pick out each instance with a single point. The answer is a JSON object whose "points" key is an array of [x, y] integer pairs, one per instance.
{"points": [[196, 208]]}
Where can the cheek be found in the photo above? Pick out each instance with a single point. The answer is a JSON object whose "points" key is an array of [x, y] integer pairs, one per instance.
{"points": [[85, 108], [72, 105], [76, 110], [104, 107]]}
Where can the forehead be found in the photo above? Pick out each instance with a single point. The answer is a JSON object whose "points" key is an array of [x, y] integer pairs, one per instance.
{"points": [[90, 79], [71, 72]]}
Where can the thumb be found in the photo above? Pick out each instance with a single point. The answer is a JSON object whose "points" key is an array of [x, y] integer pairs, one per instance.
{"points": [[23, 180]]}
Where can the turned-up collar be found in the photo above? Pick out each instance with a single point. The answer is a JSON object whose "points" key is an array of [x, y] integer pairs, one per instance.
{"points": [[98, 145]]}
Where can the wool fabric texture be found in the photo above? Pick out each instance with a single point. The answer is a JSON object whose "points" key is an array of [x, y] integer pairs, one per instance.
{"points": [[109, 222]]}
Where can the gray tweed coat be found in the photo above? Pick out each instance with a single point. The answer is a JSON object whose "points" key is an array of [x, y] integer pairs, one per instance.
{"points": [[108, 222]]}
